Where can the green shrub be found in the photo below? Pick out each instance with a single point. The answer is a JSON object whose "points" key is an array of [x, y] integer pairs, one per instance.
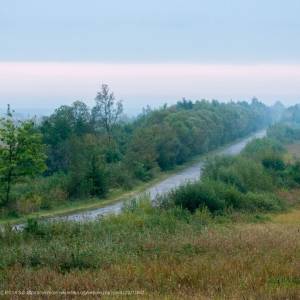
{"points": [[258, 149], [284, 133], [203, 216], [28, 204], [39, 193], [264, 202], [200, 194], [294, 172], [53, 190], [88, 183], [34, 228], [220, 198], [241, 172], [274, 163], [120, 177]]}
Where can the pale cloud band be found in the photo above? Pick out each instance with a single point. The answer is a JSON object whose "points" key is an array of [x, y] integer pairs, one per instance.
{"points": [[47, 85]]}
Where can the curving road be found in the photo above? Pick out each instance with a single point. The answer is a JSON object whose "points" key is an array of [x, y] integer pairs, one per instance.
{"points": [[189, 174]]}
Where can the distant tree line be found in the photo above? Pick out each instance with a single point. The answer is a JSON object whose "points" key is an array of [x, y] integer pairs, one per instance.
{"points": [[83, 152]]}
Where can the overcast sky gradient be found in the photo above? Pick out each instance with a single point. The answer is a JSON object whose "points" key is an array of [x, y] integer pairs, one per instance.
{"points": [[150, 52]]}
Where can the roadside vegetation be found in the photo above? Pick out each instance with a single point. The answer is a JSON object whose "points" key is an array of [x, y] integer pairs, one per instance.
{"points": [[78, 154], [233, 235], [165, 253], [248, 182]]}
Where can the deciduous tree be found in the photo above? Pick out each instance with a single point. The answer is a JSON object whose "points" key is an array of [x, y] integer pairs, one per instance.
{"points": [[107, 110], [21, 153]]}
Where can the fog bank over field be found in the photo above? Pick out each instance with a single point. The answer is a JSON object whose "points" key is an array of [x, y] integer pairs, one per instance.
{"points": [[40, 87]]}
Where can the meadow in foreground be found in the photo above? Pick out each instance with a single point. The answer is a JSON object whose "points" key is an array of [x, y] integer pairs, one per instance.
{"points": [[171, 254]]}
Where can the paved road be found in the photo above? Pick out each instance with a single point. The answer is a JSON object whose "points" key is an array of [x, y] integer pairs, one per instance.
{"points": [[189, 174]]}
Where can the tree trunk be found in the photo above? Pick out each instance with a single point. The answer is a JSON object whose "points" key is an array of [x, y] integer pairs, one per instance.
{"points": [[8, 187]]}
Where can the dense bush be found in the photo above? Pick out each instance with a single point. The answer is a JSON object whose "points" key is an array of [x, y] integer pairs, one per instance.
{"points": [[219, 197], [201, 194], [39, 193], [246, 182], [241, 172], [260, 149], [294, 172], [266, 202], [284, 133]]}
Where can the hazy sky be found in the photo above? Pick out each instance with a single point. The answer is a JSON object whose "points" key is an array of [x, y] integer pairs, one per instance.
{"points": [[150, 52]]}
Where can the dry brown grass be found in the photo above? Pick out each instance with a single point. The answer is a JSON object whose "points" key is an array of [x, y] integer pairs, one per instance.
{"points": [[248, 261], [293, 217], [291, 197]]}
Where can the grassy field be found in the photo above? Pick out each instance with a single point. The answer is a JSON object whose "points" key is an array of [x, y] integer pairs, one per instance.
{"points": [[166, 254]]}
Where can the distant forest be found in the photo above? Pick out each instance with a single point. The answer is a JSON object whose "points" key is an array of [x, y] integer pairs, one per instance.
{"points": [[80, 153]]}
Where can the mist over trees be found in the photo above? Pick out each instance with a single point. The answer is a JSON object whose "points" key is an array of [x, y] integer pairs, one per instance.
{"points": [[92, 151]]}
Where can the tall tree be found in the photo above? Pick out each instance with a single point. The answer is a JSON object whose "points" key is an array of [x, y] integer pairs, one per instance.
{"points": [[21, 153], [107, 110], [57, 129]]}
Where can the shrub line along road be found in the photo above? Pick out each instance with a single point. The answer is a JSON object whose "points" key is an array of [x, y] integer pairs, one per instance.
{"points": [[191, 173]]}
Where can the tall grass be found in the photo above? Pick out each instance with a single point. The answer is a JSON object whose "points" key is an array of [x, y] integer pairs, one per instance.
{"points": [[164, 252]]}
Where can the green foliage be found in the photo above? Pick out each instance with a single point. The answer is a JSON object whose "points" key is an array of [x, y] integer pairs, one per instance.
{"points": [[260, 149], [201, 194], [53, 190], [140, 158], [87, 174], [241, 172], [274, 163], [142, 232], [292, 114], [284, 133], [295, 172], [243, 183], [33, 194], [175, 134], [21, 154], [107, 110], [265, 202], [219, 198], [203, 216], [59, 128], [33, 227], [160, 138], [67, 246], [95, 150]]}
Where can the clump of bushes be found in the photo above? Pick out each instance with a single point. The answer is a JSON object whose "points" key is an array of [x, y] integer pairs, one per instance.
{"points": [[40, 193], [219, 198], [200, 194], [245, 183], [259, 149], [284, 133], [241, 172]]}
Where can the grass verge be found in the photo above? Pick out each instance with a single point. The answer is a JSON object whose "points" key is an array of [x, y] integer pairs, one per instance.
{"points": [[167, 254]]}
